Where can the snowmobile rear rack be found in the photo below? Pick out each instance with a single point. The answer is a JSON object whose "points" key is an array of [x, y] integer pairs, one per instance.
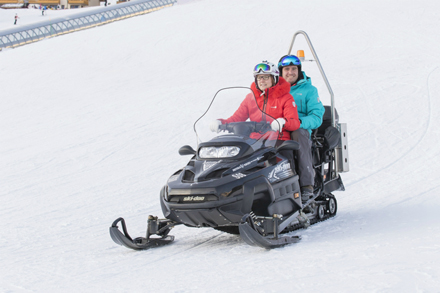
{"points": [[324, 77], [160, 227], [341, 154]]}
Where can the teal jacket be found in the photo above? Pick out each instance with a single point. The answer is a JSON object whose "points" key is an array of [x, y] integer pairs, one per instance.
{"points": [[310, 108]]}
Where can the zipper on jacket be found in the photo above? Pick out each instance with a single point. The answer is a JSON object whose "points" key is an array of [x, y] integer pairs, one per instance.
{"points": [[264, 105]]}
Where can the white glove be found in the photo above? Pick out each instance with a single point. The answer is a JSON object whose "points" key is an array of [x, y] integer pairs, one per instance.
{"points": [[215, 125], [277, 125]]}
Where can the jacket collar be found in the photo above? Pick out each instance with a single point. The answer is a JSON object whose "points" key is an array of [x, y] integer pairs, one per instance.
{"points": [[305, 80]]}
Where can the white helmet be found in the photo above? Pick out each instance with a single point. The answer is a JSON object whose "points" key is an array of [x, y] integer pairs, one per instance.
{"points": [[267, 68]]}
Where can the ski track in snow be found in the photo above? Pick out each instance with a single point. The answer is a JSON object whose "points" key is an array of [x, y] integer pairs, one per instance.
{"points": [[200, 243], [91, 133], [428, 126]]}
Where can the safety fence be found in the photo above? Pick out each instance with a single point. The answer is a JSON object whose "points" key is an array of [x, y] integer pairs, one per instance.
{"points": [[31, 33]]}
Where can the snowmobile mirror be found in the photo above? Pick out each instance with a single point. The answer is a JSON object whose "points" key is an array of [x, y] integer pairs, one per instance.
{"points": [[288, 145], [186, 150]]}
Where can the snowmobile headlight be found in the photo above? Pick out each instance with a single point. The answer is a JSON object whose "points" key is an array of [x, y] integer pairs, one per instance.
{"points": [[226, 152], [208, 152], [218, 152]]}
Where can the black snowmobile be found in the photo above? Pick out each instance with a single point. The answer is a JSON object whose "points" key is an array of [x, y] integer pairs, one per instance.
{"points": [[237, 180]]}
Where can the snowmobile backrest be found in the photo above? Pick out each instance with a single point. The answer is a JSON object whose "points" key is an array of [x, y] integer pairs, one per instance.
{"points": [[327, 119], [332, 137]]}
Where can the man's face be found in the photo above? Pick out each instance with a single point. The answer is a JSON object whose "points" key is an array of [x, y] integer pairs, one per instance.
{"points": [[290, 73]]}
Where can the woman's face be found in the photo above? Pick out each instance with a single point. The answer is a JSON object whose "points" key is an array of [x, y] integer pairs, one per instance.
{"points": [[264, 81]]}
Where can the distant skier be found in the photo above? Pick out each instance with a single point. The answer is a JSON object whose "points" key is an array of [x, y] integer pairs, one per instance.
{"points": [[16, 18]]}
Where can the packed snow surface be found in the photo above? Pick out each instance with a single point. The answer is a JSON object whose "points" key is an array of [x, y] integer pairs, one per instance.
{"points": [[91, 122]]}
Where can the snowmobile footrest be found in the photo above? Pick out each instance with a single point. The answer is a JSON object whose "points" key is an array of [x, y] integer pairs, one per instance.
{"points": [[252, 237], [139, 243]]}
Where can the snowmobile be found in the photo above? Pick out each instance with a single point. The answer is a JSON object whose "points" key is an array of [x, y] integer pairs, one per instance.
{"points": [[238, 181]]}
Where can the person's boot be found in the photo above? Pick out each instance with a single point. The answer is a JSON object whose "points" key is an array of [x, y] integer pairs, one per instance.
{"points": [[306, 193]]}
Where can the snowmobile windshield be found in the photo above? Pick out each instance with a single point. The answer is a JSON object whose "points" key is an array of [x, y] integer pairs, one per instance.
{"points": [[235, 114]]}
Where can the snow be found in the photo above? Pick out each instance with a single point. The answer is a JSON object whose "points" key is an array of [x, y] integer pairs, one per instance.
{"points": [[91, 123]]}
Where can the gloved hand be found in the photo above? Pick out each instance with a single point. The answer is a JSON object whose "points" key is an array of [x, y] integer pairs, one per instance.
{"points": [[278, 126], [214, 126]]}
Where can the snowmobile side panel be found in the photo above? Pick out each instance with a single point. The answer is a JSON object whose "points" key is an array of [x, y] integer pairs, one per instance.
{"points": [[285, 201], [249, 189]]}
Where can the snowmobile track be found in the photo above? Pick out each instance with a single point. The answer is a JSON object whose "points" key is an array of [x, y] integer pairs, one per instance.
{"points": [[312, 222]]}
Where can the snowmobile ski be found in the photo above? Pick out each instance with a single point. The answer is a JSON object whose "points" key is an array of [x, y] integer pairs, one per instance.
{"points": [[250, 234], [155, 226]]}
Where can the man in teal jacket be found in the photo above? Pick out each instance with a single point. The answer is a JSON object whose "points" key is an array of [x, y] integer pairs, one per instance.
{"points": [[310, 112]]}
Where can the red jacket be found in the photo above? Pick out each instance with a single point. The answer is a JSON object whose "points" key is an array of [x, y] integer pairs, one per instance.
{"points": [[276, 102]]}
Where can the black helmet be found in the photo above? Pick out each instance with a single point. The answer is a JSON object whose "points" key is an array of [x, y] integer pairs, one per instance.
{"points": [[287, 60]]}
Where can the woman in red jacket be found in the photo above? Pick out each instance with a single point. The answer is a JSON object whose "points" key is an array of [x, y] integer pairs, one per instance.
{"points": [[271, 96], [270, 101]]}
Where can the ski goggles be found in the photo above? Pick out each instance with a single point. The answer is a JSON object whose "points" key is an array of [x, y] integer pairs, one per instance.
{"points": [[262, 68], [289, 60]]}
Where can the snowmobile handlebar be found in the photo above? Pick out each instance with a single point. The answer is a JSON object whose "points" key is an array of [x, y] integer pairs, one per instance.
{"points": [[246, 128]]}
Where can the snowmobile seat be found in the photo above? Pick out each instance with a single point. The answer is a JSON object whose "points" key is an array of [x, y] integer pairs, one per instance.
{"points": [[325, 137], [327, 120], [332, 137]]}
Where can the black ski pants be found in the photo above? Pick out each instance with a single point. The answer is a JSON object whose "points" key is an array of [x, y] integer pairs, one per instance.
{"points": [[304, 157]]}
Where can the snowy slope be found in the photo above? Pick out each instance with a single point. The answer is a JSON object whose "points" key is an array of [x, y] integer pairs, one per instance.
{"points": [[91, 123]]}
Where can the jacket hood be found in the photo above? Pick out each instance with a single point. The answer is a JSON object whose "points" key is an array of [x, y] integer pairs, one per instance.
{"points": [[278, 90]]}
